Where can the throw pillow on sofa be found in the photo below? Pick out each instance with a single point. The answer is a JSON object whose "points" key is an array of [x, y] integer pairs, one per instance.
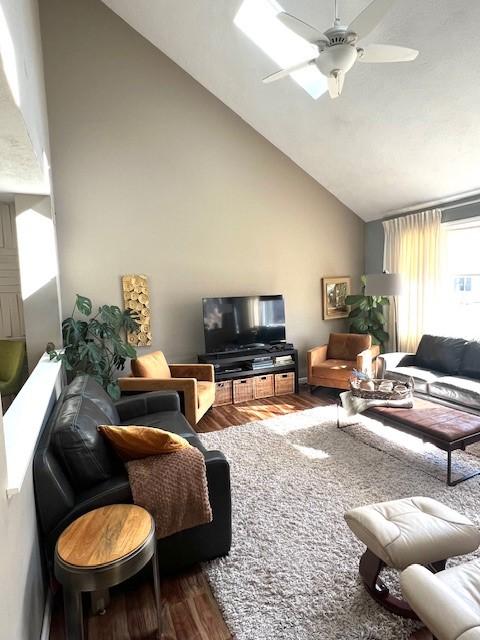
{"points": [[440, 354], [133, 443]]}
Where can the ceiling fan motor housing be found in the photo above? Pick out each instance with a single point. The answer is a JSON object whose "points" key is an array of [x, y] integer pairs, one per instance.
{"points": [[339, 57]]}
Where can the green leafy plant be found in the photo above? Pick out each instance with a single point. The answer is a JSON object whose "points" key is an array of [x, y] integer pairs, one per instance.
{"points": [[96, 344], [366, 315]]}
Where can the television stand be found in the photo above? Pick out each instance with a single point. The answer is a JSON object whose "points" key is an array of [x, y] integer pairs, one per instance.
{"points": [[251, 373]]}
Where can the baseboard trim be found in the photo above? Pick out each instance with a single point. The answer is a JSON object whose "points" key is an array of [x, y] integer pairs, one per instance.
{"points": [[47, 616]]}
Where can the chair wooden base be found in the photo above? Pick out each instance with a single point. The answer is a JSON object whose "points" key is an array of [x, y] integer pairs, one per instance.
{"points": [[421, 634], [370, 568]]}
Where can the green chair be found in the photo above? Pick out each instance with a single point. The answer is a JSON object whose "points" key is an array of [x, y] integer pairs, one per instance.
{"points": [[12, 366]]}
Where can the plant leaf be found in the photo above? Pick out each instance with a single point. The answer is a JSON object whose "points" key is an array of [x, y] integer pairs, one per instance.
{"points": [[84, 305], [354, 299], [91, 351], [113, 390], [356, 311]]}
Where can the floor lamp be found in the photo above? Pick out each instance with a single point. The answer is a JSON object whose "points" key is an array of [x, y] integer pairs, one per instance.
{"points": [[386, 284]]}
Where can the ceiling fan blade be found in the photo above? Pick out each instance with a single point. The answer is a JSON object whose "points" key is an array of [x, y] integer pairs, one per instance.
{"points": [[387, 53], [370, 17], [283, 73], [302, 29], [335, 83]]}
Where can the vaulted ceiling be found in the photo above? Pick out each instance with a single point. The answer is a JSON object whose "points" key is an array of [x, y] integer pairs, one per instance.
{"points": [[399, 135], [20, 171]]}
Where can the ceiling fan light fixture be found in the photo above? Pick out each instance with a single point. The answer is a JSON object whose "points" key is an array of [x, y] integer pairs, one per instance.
{"points": [[341, 57]]}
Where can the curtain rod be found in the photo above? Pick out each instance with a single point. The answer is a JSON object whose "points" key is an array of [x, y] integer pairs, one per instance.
{"points": [[460, 200], [458, 205]]}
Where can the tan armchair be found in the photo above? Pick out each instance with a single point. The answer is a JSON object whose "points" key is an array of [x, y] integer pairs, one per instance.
{"points": [[331, 365], [195, 382]]}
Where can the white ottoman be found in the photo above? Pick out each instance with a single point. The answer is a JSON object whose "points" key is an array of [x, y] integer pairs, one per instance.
{"points": [[409, 531]]}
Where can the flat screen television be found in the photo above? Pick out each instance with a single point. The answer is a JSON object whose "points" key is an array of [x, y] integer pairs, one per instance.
{"points": [[241, 322]]}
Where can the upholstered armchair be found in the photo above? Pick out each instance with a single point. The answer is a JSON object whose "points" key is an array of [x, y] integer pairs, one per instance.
{"points": [[193, 382], [12, 366], [331, 365]]}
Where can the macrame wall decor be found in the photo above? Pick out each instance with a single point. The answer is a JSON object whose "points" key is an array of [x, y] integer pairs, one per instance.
{"points": [[136, 298]]}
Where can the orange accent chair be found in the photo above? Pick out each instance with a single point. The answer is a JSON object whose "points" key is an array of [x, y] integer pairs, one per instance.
{"points": [[194, 382], [331, 365]]}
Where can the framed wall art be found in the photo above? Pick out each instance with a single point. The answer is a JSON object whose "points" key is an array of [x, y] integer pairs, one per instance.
{"points": [[136, 297], [335, 292]]}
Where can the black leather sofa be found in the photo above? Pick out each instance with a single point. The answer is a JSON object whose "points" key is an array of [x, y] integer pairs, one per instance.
{"points": [[444, 370], [75, 470]]}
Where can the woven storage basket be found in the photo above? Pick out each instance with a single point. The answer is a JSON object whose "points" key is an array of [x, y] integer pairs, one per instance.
{"points": [[223, 393], [264, 386], [400, 391], [284, 383], [243, 390]]}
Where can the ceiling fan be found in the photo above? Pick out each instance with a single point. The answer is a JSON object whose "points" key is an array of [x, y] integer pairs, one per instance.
{"points": [[337, 46]]}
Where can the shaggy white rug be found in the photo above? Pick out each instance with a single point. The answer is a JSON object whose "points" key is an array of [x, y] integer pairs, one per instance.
{"points": [[292, 571]]}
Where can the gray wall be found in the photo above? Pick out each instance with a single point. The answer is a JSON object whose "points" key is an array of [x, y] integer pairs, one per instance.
{"points": [[375, 237], [152, 174]]}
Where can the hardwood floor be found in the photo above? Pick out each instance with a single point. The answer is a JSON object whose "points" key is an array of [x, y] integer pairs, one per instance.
{"points": [[190, 611], [231, 415]]}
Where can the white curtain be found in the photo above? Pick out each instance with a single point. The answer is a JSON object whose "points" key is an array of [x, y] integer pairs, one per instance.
{"points": [[413, 246]]}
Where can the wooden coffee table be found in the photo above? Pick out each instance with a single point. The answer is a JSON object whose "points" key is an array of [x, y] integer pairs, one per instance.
{"points": [[99, 550], [448, 429]]}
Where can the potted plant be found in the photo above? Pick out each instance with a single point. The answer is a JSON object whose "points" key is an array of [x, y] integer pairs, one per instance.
{"points": [[96, 344], [366, 315]]}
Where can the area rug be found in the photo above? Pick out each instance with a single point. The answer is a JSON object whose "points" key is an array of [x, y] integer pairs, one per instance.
{"points": [[292, 571]]}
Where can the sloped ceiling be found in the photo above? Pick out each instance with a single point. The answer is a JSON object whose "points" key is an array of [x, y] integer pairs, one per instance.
{"points": [[20, 171], [399, 135]]}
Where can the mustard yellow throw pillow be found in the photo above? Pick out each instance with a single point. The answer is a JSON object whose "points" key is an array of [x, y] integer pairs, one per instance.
{"points": [[133, 443]]}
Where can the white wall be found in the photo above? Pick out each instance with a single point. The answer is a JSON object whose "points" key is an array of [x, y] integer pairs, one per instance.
{"points": [[22, 588], [39, 278], [153, 174], [21, 56]]}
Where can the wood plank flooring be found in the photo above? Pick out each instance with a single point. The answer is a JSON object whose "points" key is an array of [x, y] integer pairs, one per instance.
{"points": [[190, 611]]}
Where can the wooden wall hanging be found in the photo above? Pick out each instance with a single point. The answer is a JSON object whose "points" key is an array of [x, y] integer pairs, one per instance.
{"points": [[136, 297]]}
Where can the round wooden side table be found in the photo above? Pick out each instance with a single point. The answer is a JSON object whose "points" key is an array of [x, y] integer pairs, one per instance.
{"points": [[99, 550]]}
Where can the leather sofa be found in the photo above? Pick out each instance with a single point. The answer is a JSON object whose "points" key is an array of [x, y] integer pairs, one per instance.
{"points": [[75, 470], [331, 365], [444, 370]]}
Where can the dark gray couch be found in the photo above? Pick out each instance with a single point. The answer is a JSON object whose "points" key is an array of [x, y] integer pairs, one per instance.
{"points": [[75, 470], [444, 370]]}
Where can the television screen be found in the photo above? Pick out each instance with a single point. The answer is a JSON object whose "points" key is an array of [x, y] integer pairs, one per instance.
{"points": [[231, 323]]}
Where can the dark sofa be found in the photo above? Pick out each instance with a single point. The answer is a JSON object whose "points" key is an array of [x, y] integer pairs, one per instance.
{"points": [[444, 370], [75, 470]]}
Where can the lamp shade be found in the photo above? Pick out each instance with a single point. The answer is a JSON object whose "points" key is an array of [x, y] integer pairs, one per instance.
{"points": [[383, 284]]}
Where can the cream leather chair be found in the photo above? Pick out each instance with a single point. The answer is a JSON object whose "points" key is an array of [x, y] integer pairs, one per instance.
{"points": [[447, 602], [408, 531]]}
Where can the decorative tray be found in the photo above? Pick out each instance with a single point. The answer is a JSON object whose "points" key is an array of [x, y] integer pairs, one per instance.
{"points": [[381, 389]]}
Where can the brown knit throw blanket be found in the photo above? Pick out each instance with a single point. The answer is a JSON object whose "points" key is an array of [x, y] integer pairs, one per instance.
{"points": [[173, 488]]}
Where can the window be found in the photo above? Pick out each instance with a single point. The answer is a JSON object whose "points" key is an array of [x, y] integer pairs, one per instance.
{"points": [[461, 279], [258, 21]]}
